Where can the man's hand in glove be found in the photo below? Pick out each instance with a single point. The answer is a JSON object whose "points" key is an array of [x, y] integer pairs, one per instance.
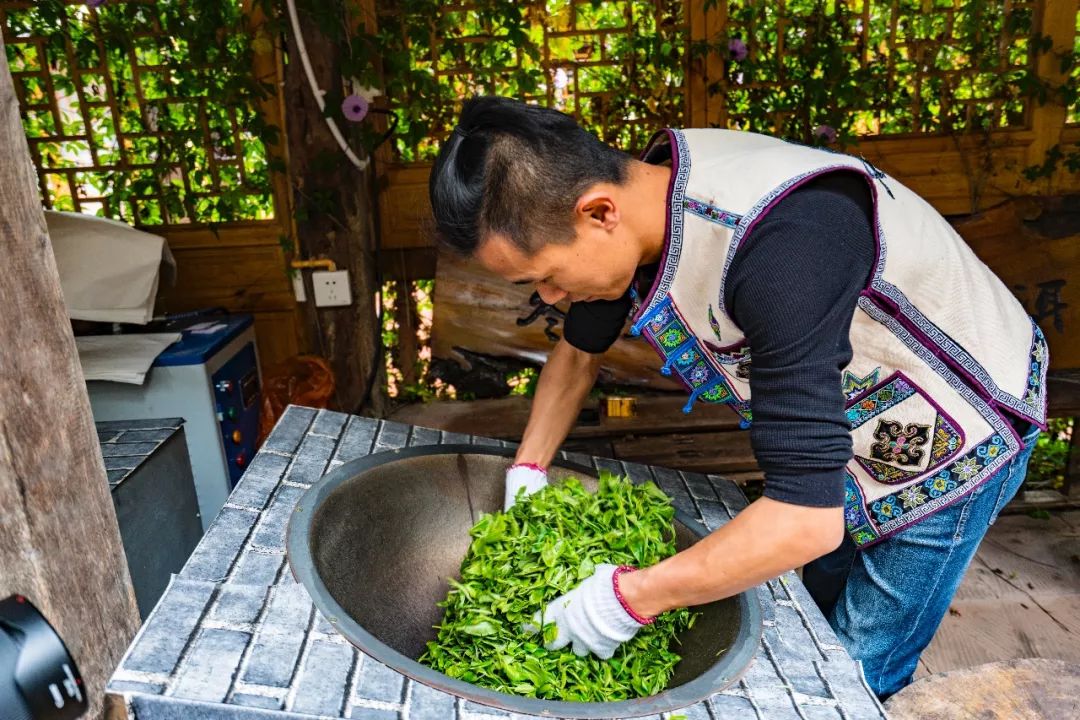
{"points": [[524, 475], [593, 617]]}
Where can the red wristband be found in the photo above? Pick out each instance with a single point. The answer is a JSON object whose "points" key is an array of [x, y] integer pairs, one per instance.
{"points": [[531, 466], [622, 601]]}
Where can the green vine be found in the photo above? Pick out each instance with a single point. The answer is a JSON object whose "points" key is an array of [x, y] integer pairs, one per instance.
{"points": [[194, 149], [818, 71], [498, 47], [815, 71]]}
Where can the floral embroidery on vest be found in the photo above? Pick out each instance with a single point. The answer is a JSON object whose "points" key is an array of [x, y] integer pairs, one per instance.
{"points": [[685, 355], [947, 440], [893, 511], [1035, 395], [900, 444]]}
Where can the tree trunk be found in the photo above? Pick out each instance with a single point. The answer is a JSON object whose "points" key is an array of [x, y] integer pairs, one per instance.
{"points": [[334, 220], [59, 541]]}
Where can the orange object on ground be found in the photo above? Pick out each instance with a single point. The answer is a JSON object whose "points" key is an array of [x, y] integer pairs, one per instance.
{"points": [[300, 380]]}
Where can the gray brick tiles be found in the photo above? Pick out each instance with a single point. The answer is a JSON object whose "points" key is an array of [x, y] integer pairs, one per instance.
{"points": [[235, 638]]}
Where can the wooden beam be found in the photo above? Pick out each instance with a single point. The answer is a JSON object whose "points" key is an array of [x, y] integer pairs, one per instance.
{"points": [[1056, 22], [408, 323], [59, 540], [336, 210], [506, 417], [708, 452]]}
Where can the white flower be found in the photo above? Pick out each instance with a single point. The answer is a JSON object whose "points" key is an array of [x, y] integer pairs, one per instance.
{"points": [[364, 91]]}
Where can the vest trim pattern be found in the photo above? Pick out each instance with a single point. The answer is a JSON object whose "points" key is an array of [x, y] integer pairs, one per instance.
{"points": [[1033, 400], [680, 175], [711, 212], [687, 357], [869, 523]]}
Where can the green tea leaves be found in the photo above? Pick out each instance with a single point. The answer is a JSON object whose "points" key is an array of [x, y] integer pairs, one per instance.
{"points": [[542, 548]]}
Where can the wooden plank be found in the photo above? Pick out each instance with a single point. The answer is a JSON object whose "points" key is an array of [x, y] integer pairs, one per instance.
{"points": [[404, 207], [59, 539], [1063, 392], [978, 631], [276, 333], [1041, 268], [246, 279], [478, 311], [1037, 557], [506, 418], [939, 169], [231, 235], [1019, 598], [709, 452]]}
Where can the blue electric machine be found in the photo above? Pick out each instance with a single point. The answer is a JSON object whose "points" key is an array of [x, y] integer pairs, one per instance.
{"points": [[210, 377]]}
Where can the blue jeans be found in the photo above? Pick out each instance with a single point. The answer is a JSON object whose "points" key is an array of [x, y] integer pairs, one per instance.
{"points": [[886, 602]]}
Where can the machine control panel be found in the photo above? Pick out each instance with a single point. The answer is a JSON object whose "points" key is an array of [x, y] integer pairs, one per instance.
{"points": [[236, 390]]}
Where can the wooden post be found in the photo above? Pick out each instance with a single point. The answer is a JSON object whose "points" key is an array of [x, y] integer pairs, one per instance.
{"points": [[1071, 489], [59, 541], [335, 222], [408, 321], [1057, 21]]}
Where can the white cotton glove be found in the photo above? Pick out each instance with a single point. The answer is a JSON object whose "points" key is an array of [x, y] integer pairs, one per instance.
{"points": [[526, 475], [591, 616]]}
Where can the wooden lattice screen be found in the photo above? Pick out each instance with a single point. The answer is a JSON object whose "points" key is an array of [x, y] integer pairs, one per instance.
{"points": [[121, 117], [616, 66], [142, 111], [924, 66], [928, 88], [888, 66]]}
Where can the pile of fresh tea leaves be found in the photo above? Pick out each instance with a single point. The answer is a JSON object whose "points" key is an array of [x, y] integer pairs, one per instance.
{"points": [[543, 547]]}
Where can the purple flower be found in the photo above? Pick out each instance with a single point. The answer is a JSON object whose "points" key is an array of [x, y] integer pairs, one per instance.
{"points": [[737, 49], [826, 133], [355, 108], [95, 3]]}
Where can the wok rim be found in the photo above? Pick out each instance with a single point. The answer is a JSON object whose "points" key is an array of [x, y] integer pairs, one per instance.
{"points": [[728, 669]]}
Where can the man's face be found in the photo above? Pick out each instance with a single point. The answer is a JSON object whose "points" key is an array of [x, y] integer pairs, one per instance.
{"points": [[598, 264]]}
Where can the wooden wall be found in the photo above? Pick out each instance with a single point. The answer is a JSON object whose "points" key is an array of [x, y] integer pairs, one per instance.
{"points": [[241, 268]]}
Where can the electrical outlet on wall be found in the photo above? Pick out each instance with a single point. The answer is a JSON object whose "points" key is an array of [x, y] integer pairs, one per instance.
{"points": [[331, 288]]}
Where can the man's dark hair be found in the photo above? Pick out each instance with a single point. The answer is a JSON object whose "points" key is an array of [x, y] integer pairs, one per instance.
{"points": [[517, 170]]}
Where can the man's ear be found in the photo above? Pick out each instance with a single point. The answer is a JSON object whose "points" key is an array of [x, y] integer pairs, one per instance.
{"points": [[597, 207]]}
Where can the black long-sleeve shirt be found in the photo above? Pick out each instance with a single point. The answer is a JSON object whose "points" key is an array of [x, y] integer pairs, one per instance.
{"points": [[792, 290]]}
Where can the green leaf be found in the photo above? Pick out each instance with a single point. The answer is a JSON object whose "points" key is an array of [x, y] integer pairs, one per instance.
{"points": [[480, 629], [523, 559]]}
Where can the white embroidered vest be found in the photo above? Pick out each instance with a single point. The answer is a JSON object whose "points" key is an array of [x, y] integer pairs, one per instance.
{"points": [[943, 354]]}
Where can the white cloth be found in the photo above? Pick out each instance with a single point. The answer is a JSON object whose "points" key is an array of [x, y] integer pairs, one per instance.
{"points": [[522, 476], [121, 358], [590, 617], [109, 271]]}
